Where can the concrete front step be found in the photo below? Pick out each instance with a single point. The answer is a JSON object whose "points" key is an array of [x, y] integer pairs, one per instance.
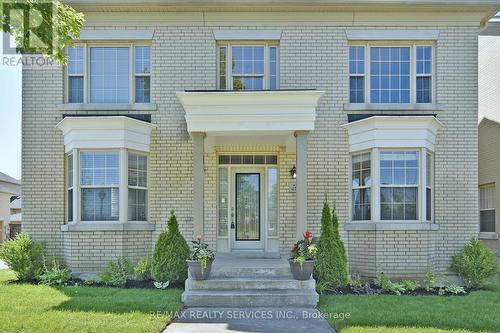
{"points": [[250, 298], [250, 272], [249, 283]]}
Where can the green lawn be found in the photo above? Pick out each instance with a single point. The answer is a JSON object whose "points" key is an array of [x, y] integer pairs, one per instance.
{"points": [[477, 312], [30, 308]]}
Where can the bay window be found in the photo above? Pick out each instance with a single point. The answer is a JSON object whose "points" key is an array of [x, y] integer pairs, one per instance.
{"points": [[99, 73], [107, 171], [247, 67], [397, 182], [100, 180], [398, 74]]}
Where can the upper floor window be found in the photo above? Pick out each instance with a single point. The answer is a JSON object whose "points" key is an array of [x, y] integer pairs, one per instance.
{"points": [[487, 208], [247, 67], [390, 74], [106, 74]]}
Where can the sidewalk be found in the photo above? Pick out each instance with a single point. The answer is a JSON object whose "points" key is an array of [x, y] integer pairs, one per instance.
{"points": [[3, 265], [244, 320]]}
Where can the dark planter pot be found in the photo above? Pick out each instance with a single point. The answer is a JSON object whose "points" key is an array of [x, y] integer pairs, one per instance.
{"points": [[301, 272], [195, 271]]}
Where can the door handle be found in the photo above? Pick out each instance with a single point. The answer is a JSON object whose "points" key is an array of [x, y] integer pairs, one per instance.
{"points": [[232, 219]]}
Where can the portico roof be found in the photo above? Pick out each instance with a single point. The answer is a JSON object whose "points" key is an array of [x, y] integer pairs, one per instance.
{"points": [[248, 113]]}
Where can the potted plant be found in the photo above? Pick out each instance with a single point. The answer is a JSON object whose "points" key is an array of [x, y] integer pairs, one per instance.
{"points": [[302, 259], [200, 260]]}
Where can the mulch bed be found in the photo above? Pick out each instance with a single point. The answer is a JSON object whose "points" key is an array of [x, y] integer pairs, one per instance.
{"points": [[131, 284], [371, 289]]}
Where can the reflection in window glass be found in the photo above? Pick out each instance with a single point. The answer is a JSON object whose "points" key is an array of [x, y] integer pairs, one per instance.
{"points": [[390, 74], [272, 204], [99, 179], [248, 67], [109, 75], [361, 187], [399, 185], [223, 202]]}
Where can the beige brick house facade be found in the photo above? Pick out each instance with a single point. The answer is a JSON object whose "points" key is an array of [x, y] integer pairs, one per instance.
{"points": [[314, 46]]}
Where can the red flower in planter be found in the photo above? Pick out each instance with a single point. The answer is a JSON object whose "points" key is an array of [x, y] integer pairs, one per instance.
{"points": [[295, 248], [308, 234]]}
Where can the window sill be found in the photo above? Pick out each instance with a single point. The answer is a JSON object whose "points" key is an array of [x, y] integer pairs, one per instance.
{"points": [[488, 235], [108, 107], [352, 226], [431, 107], [107, 226]]}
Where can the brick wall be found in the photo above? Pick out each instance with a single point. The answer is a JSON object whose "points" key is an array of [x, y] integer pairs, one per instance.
{"points": [[183, 57]]}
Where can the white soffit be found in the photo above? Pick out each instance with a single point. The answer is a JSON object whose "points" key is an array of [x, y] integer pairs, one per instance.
{"points": [[398, 34], [119, 34], [250, 112], [393, 132], [247, 34], [105, 132]]}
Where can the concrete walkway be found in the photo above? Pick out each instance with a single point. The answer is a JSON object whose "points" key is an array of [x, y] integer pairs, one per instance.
{"points": [[3, 265], [245, 320]]}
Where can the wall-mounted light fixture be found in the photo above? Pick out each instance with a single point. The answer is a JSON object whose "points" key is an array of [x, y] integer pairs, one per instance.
{"points": [[293, 172]]}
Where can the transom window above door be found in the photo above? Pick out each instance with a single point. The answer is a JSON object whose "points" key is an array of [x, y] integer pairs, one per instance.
{"points": [[109, 74], [247, 66], [381, 74]]}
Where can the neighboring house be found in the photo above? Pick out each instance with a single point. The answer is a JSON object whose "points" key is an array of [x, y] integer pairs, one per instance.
{"points": [[242, 117], [10, 188], [489, 183], [489, 134], [15, 217]]}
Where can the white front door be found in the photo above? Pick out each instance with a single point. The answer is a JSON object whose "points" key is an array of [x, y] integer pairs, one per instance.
{"points": [[247, 230]]}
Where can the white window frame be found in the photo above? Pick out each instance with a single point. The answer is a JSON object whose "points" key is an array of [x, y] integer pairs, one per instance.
{"points": [[136, 152], [376, 186], [267, 72], [81, 187], [493, 186], [369, 151], [86, 69], [69, 157], [122, 185], [142, 75], [413, 68]]}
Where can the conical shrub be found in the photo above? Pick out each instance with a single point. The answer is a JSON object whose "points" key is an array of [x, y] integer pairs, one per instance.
{"points": [[170, 254], [331, 262]]}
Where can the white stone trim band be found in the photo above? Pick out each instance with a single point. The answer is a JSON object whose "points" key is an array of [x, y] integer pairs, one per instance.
{"points": [[247, 34], [121, 34], [377, 34]]}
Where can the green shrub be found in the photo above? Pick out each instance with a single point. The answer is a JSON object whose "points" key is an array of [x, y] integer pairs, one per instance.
{"points": [[475, 263], [355, 281], [170, 254], [331, 262], [384, 282], [410, 285], [143, 269], [24, 256], [117, 273], [454, 289], [54, 274], [430, 279]]}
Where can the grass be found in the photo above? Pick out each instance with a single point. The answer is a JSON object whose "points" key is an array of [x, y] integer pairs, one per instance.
{"points": [[477, 312], [33, 308]]}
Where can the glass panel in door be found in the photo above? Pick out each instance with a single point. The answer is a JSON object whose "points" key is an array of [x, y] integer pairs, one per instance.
{"points": [[247, 206]]}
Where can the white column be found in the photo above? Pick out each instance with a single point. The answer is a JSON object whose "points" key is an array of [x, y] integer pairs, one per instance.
{"points": [[301, 182], [198, 181], [76, 185], [375, 170], [123, 202]]}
